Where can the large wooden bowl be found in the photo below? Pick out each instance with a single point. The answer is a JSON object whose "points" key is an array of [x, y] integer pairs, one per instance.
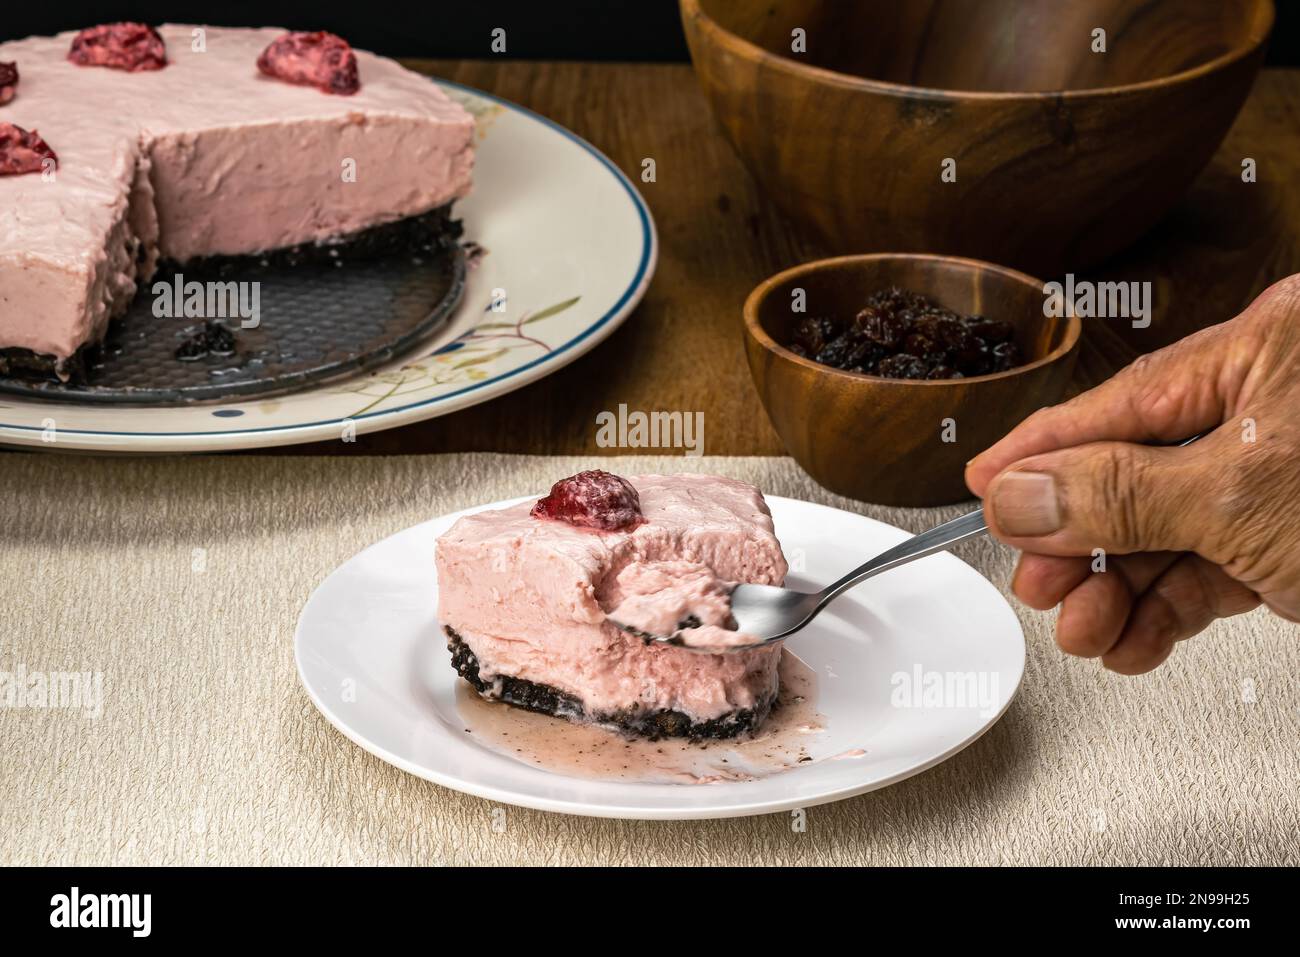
{"points": [[1062, 155], [886, 440]]}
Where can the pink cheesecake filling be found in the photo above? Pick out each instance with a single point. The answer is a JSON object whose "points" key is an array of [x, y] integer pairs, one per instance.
{"points": [[684, 599], [206, 156], [529, 597]]}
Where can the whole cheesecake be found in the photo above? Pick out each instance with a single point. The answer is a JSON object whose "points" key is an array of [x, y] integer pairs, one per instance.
{"points": [[525, 596], [206, 156]]}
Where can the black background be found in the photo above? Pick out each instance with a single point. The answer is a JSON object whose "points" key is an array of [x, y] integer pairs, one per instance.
{"points": [[535, 29], [936, 906]]}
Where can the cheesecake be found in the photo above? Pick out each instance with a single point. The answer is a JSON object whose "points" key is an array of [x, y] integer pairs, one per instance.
{"points": [[188, 143], [528, 594]]}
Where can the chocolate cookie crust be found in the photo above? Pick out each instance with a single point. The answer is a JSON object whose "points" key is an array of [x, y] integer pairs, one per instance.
{"points": [[547, 700]]}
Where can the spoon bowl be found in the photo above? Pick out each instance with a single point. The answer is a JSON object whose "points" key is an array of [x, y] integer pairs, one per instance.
{"points": [[764, 614]]}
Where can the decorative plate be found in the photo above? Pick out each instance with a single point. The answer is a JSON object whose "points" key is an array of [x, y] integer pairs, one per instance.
{"points": [[910, 667], [567, 251]]}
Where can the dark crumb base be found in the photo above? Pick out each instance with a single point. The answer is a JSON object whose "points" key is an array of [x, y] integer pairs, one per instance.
{"points": [[25, 364], [428, 232], [547, 700]]}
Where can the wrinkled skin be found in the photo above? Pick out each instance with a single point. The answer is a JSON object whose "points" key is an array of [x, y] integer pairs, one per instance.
{"points": [[1191, 534]]}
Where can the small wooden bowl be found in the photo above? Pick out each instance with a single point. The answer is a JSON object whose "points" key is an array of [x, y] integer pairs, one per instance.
{"points": [[884, 440], [1062, 155]]}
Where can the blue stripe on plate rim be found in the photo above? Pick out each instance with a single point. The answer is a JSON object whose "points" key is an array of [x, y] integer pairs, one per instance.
{"points": [[648, 245]]}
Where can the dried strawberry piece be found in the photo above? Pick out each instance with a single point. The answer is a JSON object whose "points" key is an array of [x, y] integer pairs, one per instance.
{"points": [[318, 59], [22, 152], [121, 46], [593, 499], [8, 82]]}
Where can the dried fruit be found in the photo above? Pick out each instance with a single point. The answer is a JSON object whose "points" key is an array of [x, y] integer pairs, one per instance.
{"points": [[1005, 356], [990, 330], [970, 355], [121, 46], [8, 82], [903, 366], [903, 335], [592, 499], [814, 332], [847, 351], [948, 332], [919, 344], [880, 326], [318, 59], [22, 151]]}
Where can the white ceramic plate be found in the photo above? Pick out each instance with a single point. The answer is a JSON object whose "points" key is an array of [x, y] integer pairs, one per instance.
{"points": [[569, 241], [363, 652]]}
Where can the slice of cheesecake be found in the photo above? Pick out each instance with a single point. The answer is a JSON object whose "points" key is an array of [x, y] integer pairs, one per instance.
{"points": [[524, 595], [206, 156]]}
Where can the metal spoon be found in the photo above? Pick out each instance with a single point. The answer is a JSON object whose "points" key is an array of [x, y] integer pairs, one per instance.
{"points": [[769, 614]]}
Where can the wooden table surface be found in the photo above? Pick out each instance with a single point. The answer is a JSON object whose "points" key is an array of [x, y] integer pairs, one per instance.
{"points": [[681, 349]]}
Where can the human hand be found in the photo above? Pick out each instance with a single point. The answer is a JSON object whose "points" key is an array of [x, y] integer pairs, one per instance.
{"points": [[1204, 531]]}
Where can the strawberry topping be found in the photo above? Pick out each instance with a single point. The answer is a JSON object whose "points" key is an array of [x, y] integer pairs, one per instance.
{"points": [[592, 499], [318, 59], [23, 152], [120, 46]]}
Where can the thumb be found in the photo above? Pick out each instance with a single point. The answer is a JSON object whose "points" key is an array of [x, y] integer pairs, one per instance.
{"points": [[1116, 496]]}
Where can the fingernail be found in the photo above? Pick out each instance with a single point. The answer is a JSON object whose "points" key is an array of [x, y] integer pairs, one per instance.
{"points": [[1025, 504]]}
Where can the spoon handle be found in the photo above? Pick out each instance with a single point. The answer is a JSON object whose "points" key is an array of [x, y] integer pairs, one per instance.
{"points": [[936, 539]]}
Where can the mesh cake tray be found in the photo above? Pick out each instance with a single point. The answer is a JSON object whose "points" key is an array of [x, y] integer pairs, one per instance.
{"points": [[318, 320]]}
